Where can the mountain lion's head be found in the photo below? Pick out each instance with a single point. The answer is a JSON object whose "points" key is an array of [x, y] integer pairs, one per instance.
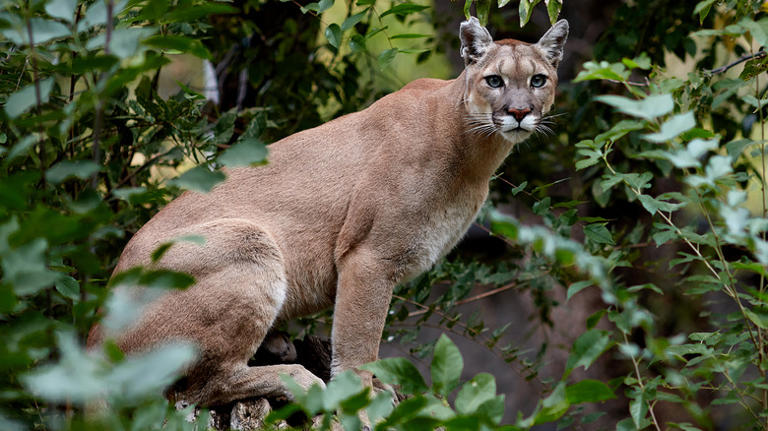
{"points": [[510, 85]]}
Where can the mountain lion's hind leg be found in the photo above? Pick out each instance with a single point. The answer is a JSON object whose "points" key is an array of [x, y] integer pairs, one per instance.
{"points": [[239, 290]]}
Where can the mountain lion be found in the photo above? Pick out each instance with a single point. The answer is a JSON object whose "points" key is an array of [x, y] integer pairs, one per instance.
{"points": [[340, 215]]}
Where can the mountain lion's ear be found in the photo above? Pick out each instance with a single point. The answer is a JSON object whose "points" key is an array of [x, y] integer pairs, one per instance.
{"points": [[553, 41], [475, 41]]}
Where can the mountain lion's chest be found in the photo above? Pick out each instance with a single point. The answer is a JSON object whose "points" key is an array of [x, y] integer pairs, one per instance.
{"points": [[442, 230]]}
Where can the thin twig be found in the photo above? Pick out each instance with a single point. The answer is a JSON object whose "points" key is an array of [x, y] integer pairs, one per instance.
{"points": [[38, 99], [642, 386], [742, 59], [632, 83], [470, 299], [99, 120]]}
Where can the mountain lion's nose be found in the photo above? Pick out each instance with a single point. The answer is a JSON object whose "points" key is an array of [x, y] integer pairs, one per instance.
{"points": [[519, 114]]}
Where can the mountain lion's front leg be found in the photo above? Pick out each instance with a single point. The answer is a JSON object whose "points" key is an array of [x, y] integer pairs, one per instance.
{"points": [[362, 300]]}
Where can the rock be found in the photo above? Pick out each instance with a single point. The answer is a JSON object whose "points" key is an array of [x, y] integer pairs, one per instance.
{"points": [[249, 415]]}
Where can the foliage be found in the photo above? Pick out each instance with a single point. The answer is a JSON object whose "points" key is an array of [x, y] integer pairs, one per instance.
{"points": [[475, 406], [90, 150]]}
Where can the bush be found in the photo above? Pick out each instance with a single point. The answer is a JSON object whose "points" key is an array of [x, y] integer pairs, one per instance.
{"points": [[659, 163]]}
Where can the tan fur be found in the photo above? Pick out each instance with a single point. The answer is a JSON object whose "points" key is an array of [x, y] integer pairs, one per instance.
{"points": [[340, 215]]}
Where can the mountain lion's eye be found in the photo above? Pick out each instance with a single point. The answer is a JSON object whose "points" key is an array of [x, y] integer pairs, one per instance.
{"points": [[538, 80], [494, 81]]}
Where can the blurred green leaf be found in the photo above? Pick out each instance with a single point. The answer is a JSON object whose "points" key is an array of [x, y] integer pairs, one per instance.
{"points": [[68, 287], [447, 365], [577, 287], [403, 9], [82, 169], [352, 20], [553, 9], [62, 9], [588, 391], [475, 392], [199, 179], [22, 100], [673, 127], [318, 7], [598, 233], [648, 108], [246, 152], [587, 348], [43, 31], [386, 57], [180, 44], [398, 371], [554, 406], [483, 8], [333, 34]]}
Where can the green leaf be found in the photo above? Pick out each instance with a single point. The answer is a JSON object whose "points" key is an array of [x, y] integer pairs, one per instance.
{"points": [[180, 44], [409, 36], [504, 225], [598, 233], [340, 388], [185, 14], [594, 318], [483, 8], [406, 410], [352, 20], [758, 317], [753, 68], [638, 409], [333, 34], [24, 267], [474, 393], [758, 29], [640, 62], [386, 57], [96, 14], [318, 7], [81, 169], [447, 365], [62, 9], [703, 8], [514, 191], [154, 10], [381, 406], [398, 371], [20, 101], [525, 10], [166, 280], [648, 108], [588, 391], [68, 287], [357, 43], [652, 205], [43, 30], [554, 406], [688, 158], [577, 287], [602, 70], [553, 9], [648, 286], [673, 127], [199, 178], [246, 152], [403, 9], [593, 157], [587, 348]]}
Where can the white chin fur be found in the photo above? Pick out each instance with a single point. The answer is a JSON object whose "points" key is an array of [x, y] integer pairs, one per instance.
{"points": [[515, 136]]}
